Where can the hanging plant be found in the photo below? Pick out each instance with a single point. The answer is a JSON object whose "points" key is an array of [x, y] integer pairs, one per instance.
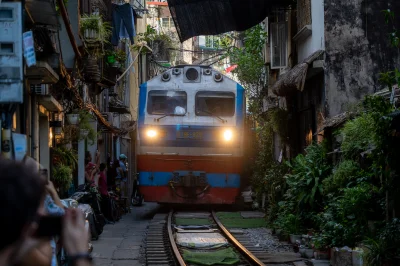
{"points": [[72, 133], [66, 157], [93, 28], [84, 124], [116, 58]]}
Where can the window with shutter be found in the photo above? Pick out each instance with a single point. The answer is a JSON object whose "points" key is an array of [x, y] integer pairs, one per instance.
{"points": [[279, 45]]}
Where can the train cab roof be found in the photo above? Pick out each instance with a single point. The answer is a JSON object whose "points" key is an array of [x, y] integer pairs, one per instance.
{"points": [[192, 76]]}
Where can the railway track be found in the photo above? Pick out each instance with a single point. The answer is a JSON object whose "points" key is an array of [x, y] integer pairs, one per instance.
{"points": [[162, 249]]}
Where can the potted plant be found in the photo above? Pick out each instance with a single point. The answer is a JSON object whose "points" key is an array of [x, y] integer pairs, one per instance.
{"points": [[73, 118], [90, 27], [120, 57], [62, 177], [321, 247], [292, 227]]}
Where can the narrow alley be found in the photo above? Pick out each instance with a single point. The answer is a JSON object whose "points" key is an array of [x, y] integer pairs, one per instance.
{"points": [[120, 243]]}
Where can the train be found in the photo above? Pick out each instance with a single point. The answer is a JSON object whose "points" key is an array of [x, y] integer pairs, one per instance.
{"points": [[190, 137]]}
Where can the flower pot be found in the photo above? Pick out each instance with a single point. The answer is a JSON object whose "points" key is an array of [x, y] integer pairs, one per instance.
{"points": [[357, 258], [294, 238], [73, 119], [91, 69], [308, 253], [91, 34], [302, 251], [333, 256], [84, 132], [344, 258], [321, 254]]}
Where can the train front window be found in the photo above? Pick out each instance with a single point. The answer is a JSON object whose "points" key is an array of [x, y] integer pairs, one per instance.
{"points": [[212, 103], [167, 102]]}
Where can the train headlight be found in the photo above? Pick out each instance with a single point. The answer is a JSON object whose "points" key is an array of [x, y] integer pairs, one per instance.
{"points": [[151, 133], [228, 135]]}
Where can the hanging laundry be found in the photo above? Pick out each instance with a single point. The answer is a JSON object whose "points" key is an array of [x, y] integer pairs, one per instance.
{"points": [[123, 22]]}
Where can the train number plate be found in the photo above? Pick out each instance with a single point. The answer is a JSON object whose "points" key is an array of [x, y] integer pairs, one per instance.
{"points": [[189, 135]]}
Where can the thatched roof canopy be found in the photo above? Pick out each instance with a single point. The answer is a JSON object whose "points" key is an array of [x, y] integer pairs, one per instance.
{"points": [[336, 121], [294, 78]]}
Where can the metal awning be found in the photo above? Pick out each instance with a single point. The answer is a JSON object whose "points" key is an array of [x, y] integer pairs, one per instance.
{"points": [[42, 12], [210, 17], [295, 78]]}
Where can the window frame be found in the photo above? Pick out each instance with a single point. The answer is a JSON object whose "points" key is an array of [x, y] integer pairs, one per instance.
{"points": [[282, 44], [166, 92], [209, 115]]}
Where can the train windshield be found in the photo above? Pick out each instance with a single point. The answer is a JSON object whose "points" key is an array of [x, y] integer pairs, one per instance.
{"points": [[167, 102], [212, 103]]}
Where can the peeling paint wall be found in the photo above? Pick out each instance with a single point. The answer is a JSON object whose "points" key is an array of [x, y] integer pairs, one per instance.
{"points": [[357, 50]]}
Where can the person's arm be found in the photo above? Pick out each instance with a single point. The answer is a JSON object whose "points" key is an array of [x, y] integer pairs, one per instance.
{"points": [[54, 195], [96, 179], [97, 158], [39, 256], [75, 237]]}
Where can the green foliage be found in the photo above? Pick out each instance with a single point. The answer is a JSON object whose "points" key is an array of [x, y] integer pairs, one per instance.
{"points": [[376, 251], [150, 36], [250, 60], [320, 242], [354, 204], [94, 22], [66, 157], [116, 56], [344, 220], [289, 223], [62, 176], [358, 136], [308, 173], [84, 124], [344, 175]]}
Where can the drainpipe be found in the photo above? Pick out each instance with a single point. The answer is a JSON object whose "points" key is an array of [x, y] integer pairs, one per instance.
{"points": [[33, 130]]}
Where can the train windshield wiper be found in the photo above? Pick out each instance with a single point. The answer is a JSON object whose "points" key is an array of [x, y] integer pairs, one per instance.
{"points": [[164, 116], [213, 115]]}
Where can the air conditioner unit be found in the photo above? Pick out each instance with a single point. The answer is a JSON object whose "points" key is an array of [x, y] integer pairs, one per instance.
{"points": [[109, 117], [40, 89]]}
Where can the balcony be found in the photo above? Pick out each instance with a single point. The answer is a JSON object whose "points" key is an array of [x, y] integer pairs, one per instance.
{"points": [[42, 12]]}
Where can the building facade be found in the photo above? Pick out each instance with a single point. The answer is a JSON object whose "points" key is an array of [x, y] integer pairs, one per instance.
{"points": [[323, 57], [70, 62]]}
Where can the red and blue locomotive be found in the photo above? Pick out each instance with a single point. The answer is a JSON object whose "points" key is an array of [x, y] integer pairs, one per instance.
{"points": [[191, 137]]}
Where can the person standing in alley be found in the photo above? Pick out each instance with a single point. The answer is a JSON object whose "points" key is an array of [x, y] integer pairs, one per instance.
{"points": [[124, 174], [103, 189]]}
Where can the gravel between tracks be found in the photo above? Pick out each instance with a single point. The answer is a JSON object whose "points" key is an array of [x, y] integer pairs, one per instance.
{"points": [[262, 237]]}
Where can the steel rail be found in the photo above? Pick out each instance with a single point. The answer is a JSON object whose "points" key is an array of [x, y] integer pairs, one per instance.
{"points": [[175, 249], [250, 256]]}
